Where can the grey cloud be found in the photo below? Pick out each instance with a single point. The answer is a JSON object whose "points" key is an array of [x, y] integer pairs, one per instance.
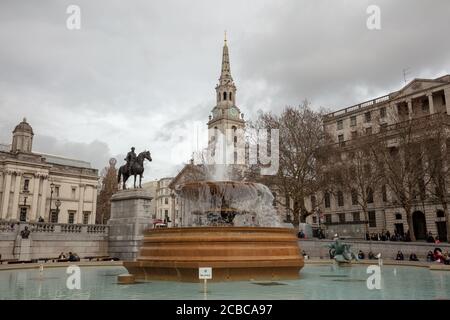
{"points": [[143, 72]]}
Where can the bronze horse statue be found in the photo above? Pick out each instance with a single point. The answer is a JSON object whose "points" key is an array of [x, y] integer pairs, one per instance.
{"points": [[136, 169]]}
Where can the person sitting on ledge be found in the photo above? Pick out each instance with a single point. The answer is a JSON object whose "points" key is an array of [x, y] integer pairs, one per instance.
{"points": [[62, 256], [361, 255], [438, 257], [301, 234], [430, 256], [413, 257], [407, 237], [70, 256], [430, 238], [436, 240], [41, 219], [400, 256], [371, 256], [305, 256]]}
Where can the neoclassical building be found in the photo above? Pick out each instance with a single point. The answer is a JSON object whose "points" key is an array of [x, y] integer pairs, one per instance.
{"points": [[420, 101], [35, 185]]}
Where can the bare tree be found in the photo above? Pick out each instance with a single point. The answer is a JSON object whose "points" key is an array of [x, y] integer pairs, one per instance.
{"points": [[403, 158], [301, 139], [438, 165], [355, 170], [109, 186]]}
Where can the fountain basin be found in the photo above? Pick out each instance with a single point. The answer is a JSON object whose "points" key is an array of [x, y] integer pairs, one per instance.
{"points": [[234, 253]]}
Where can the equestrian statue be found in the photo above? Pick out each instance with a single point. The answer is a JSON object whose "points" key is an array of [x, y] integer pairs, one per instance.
{"points": [[133, 167]]}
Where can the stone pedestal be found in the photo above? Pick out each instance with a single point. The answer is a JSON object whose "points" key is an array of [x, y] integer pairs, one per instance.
{"points": [[130, 217]]}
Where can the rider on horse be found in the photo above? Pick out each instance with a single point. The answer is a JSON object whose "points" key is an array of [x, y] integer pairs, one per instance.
{"points": [[130, 159]]}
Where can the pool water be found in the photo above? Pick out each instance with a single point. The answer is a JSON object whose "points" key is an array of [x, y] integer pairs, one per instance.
{"points": [[316, 282]]}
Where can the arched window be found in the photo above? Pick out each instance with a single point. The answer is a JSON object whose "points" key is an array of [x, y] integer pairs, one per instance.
{"points": [[230, 95], [398, 216], [224, 96], [234, 128]]}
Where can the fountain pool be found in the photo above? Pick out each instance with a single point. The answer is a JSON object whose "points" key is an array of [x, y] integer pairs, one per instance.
{"points": [[322, 282]]}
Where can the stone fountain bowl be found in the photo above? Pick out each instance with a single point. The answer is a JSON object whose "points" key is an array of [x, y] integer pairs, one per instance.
{"points": [[228, 190], [234, 253]]}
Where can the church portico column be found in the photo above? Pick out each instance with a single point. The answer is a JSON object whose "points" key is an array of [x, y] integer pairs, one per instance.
{"points": [[6, 193], [37, 179], [14, 214]]}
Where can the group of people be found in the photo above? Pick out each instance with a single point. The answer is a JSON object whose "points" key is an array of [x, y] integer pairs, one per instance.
{"points": [[431, 239], [370, 255], [71, 256], [387, 236], [401, 257], [438, 256]]}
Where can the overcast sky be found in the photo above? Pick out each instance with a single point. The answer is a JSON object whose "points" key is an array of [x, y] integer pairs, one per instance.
{"points": [[143, 73]]}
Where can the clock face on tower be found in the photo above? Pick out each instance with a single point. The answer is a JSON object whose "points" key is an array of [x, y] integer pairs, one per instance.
{"points": [[234, 113]]}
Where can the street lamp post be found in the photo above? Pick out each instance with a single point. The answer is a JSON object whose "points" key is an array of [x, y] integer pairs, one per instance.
{"points": [[57, 204]]}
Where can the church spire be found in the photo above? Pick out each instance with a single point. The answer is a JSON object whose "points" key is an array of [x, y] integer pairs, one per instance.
{"points": [[225, 76]]}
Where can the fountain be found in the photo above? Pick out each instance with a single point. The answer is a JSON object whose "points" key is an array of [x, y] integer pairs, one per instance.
{"points": [[230, 226]]}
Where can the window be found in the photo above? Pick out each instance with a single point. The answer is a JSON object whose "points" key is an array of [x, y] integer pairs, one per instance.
{"points": [[313, 202], [86, 217], [440, 214], [354, 134], [356, 216], [224, 96], [354, 197], [353, 121], [368, 116], [340, 198], [57, 191], [314, 219], [383, 112], [341, 140], [398, 216], [341, 217], [425, 106], [383, 127], [328, 218], [23, 214], [384, 193], [54, 217], [340, 125], [26, 185], [230, 95], [369, 195], [74, 192], [369, 130], [166, 200], [71, 219], [372, 219], [327, 200]]}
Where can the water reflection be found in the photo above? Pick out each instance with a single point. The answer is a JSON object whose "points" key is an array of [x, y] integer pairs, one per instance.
{"points": [[317, 282]]}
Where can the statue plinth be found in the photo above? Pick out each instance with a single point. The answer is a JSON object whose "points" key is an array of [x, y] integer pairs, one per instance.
{"points": [[130, 217]]}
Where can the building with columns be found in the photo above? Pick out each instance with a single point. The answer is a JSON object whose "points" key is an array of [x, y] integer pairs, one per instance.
{"points": [[421, 100], [35, 185]]}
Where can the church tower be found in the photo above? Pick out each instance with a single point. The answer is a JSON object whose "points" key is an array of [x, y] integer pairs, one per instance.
{"points": [[225, 116], [22, 137]]}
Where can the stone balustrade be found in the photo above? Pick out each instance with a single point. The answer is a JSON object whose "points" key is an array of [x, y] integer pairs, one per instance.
{"points": [[44, 227], [7, 226]]}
